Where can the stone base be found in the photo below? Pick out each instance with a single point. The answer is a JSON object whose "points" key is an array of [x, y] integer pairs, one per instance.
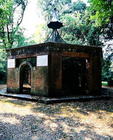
{"points": [[49, 100]]}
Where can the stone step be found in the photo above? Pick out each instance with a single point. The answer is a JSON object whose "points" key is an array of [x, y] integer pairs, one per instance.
{"points": [[48, 100]]}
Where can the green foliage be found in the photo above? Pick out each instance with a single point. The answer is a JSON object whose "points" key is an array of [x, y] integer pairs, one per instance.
{"points": [[104, 83], [9, 24], [107, 74], [102, 16], [79, 29], [10, 33], [79, 6], [101, 10], [20, 40], [3, 65], [76, 18]]}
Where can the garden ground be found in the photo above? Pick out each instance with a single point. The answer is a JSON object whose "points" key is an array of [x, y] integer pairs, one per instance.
{"points": [[25, 120]]}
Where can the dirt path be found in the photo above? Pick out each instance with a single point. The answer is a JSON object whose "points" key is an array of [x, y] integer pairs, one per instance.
{"points": [[23, 120]]}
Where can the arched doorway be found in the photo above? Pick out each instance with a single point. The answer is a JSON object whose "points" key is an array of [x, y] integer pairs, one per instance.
{"points": [[25, 78]]}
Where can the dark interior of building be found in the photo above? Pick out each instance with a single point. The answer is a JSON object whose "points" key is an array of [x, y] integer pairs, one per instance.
{"points": [[74, 76], [25, 79]]}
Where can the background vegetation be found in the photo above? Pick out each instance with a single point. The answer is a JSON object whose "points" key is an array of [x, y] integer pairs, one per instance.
{"points": [[86, 24]]}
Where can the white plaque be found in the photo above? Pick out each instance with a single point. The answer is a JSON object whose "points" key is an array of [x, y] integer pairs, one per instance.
{"points": [[42, 60], [11, 63]]}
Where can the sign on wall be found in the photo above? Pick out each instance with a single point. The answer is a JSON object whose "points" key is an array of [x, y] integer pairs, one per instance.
{"points": [[11, 63], [42, 60]]}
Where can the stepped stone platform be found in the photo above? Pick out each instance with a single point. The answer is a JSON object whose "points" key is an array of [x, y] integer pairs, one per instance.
{"points": [[107, 93]]}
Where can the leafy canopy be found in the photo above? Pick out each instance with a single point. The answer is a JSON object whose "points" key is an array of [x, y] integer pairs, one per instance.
{"points": [[102, 11]]}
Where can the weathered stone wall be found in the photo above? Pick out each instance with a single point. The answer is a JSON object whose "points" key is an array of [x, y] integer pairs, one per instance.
{"points": [[55, 74], [39, 81], [13, 80], [93, 75]]}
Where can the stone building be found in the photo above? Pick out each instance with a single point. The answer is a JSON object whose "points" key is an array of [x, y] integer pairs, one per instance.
{"points": [[54, 68]]}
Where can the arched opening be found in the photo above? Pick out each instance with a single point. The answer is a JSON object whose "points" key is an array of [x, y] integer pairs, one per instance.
{"points": [[25, 78]]}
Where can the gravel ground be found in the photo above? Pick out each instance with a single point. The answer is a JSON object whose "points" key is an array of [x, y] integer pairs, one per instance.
{"points": [[23, 120]]}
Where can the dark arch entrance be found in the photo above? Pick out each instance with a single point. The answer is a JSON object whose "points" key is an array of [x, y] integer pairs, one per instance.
{"points": [[25, 79]]}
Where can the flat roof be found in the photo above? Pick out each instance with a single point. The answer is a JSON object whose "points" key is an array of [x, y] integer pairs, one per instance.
{"points": [[53, 44]]}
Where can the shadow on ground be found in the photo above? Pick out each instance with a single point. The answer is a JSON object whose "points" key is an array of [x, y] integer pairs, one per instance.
{"points": [[83, 107], [30, 127], [48, 122]]}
